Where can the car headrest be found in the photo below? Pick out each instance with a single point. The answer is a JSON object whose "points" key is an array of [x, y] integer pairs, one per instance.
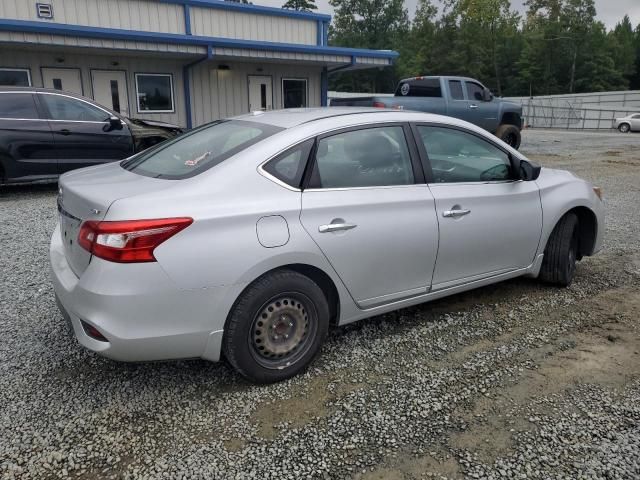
{"points": [[373, 150]]}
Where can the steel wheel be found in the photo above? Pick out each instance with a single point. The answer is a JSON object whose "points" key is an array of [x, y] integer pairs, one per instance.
{"points": [[624, 128], [282, 330]]}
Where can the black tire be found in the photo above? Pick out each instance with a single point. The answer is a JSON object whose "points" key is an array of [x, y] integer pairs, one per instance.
{"points": [[509, 134], [624, 128], [561, 252], [283, 311]]}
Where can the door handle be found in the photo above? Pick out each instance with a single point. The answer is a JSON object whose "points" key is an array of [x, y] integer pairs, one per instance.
{"points": [[473, 106], [64, 131], [336, 227], [455, 213]]}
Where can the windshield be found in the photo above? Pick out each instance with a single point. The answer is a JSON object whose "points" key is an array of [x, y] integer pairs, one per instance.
{"points": [[194, 152]]}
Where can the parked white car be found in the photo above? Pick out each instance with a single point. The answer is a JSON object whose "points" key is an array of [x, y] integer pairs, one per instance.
{"points": [[630, 123], [248, 237]]}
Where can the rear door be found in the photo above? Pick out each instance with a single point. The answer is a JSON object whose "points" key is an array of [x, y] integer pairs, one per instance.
{"points": [[82, 133], [490, 223], [26, 142], [367, 209]]}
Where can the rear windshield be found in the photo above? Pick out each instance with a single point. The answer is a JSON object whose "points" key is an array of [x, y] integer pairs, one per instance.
{"points": [[196, 151], [419, 87]]}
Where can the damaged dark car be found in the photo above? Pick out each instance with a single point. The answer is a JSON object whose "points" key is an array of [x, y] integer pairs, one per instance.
{"points": [[44, 133]]}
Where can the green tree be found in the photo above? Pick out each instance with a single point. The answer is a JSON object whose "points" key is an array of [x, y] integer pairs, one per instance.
{"points": [[375, 24], [484, 27], [623, 48], [300, 5]]}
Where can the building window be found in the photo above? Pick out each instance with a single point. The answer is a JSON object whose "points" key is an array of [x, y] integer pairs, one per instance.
{"points": [[154, 92], [294, 92], [15, 77]]}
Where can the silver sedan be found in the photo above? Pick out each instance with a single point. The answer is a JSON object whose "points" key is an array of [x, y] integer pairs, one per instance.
{"points": [[630, 123], [248, 238]]}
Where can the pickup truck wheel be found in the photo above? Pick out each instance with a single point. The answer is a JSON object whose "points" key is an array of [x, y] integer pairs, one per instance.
{"points": [[276, 327], [509, 134], [561, 252], [624, 128]]}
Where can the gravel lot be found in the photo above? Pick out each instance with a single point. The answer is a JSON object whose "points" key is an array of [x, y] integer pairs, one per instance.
{"points": [[516, 380]]}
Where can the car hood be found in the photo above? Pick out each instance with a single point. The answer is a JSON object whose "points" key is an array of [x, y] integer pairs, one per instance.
{"points": [[143, 124]]}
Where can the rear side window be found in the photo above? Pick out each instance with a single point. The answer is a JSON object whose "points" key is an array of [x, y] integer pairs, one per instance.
{"points": [[363, 158], [17, 105], [194, 152], [288, 167], [455, 87], [425, 87]]}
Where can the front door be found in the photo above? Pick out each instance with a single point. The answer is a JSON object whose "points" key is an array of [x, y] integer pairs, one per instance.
{"points": [[490, 223], [373, 223], [82, 133], [260, 93], [66, 79], [480, 112], [110, 90]]}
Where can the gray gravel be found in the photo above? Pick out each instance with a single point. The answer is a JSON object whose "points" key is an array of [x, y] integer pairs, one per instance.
{"points": [[516, 380]]}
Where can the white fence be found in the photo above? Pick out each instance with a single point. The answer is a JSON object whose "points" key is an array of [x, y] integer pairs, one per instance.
{"points": [[579, 111]]}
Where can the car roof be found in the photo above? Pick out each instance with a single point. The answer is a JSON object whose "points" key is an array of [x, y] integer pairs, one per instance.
{"points": [[290, 118]]}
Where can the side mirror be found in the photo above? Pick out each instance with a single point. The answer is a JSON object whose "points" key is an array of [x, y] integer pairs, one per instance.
{"points": [[487, 95], [114, 123], [529, 171]]}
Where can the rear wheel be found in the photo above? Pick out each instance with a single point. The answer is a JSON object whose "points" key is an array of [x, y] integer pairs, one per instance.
{"points": [[561, 252], [276, 327], [624, 127], [509, 134]]}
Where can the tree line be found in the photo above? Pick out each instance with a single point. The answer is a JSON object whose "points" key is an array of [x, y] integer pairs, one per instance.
{"points": [[556, 47]]}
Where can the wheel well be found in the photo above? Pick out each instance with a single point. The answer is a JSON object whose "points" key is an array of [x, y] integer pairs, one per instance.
{"points": [[324, 282], [511, 118], [587, 230]]}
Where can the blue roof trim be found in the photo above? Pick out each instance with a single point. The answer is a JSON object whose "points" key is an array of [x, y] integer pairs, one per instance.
{"points": [[141, 36], [248, 8]]}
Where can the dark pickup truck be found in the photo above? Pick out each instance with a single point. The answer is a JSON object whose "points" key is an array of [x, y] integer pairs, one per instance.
{"points": [[459, 97]]}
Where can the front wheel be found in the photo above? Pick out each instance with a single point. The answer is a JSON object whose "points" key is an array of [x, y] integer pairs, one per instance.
{"points": [[561, 252], [276, 327], [624, 127], [509, 134]]}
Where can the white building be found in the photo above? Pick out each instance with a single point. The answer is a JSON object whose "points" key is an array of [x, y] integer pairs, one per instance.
{"points": [[181, 61]]}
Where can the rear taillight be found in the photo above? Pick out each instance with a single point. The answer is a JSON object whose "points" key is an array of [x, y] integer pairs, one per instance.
{"points": [[379, 105], [130, 240]]}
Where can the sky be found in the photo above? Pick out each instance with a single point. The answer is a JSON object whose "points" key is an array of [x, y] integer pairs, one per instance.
{"points": [[609, 11]]}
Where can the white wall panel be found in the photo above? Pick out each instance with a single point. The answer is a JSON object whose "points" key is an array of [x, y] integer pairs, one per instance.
{"points": [[224, 93], [211, 22], [146, 15]]}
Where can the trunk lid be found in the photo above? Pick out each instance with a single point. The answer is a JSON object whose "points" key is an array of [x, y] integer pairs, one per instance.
{"points": [[87, 194]]}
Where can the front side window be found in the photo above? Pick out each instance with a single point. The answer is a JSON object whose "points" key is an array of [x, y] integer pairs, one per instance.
{"points": [[424, 87], [154, 92], [294, 92], [194, 152], [457, 156], [455, 87], [288, 167], [475, 92], [17, 105], [15, 77], [61, 107], [363, 158]]}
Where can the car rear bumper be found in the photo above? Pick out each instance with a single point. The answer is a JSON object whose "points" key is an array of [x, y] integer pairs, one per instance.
{"points": [[143, 314]]}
